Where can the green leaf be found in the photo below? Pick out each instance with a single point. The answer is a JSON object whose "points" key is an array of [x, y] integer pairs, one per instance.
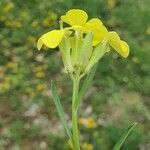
{"points": [[60, 110], [86, 83], [124, 136]]}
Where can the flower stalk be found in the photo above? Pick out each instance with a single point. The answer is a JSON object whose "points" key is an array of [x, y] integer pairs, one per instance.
{"points": [[76, 82]]}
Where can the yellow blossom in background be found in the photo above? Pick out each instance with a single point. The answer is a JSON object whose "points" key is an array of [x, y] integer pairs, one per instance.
{"points": [[2, 18], [34, 23], [5, 84], [111, 21], [38, 69], [87, 146], [46, 22], [40, 87], [14, 23], [135, 60], [49, 19], [23, 14], [8, 7], [88, 122], [53, 15], [2, 72], [31, 40], [30, 92], [111, 3], [39, 72], [148, 30], [12, 65], [70, 145]]}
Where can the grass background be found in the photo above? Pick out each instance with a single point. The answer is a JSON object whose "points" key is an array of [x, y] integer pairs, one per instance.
{"points": [[118, 96]]}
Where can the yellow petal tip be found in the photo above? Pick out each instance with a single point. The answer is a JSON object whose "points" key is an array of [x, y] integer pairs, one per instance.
{"points": [[39, 44], [75, 17], [51, 39], [125, 49]]}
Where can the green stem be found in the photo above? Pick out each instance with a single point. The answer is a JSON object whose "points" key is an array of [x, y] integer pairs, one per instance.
{"points": [[76, 82]]}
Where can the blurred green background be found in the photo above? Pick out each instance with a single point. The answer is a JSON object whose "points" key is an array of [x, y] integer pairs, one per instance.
{"points": [[118, 96]]}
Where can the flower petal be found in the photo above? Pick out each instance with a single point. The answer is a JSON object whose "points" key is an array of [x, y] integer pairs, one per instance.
{"points": [[120, 46], [114, 40], [75, 17], [93, 24], [51, 39], [125, 49], [78, 27], [99, 30], [39, 44], [100, 35]]}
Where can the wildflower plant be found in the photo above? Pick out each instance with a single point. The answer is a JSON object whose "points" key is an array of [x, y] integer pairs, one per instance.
{"points": [[82, 44]]}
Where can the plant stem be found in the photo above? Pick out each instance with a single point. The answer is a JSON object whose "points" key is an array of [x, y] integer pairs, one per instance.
{"points": [[76, 82]]}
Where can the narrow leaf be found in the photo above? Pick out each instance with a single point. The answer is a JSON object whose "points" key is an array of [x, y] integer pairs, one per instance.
{"points": [[124, 136], [60, 110]]}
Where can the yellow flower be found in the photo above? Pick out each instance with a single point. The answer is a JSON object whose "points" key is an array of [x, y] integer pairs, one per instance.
{"points": [[12, 65], [39, 72], [5, 85], [8, 7], [51, 39], [87, 146], [70, 145], [46, 21], [30, 92], [2, 72], [50, 19], [88, 122], [2, 18], [83, 43], [75, 17], [78, 20], [14, 23], [84, 146], [40, 87], [32, 40], [23, 14], [34, 23], [120, 46], [111, 3], [148, 30]]}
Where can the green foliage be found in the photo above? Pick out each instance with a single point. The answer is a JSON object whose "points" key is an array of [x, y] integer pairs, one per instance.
{"points": [[123, 137], [60, 110], [16, 131]]}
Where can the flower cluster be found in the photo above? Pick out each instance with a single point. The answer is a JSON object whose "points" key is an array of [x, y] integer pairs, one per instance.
{"points": [[88, 122], [83, 43]]}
